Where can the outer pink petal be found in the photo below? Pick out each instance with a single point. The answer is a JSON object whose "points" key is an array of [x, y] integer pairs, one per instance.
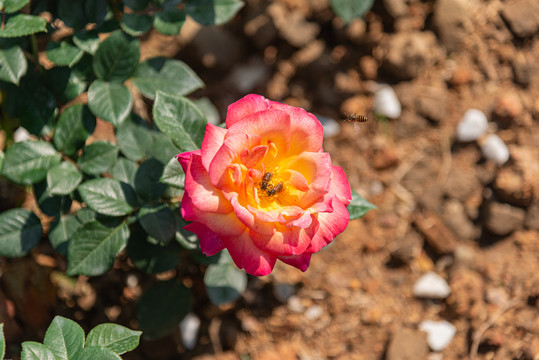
{"points": [[271, 125], [340, 186], [329, 225], [244, 107], [213, 140], [299, 261], [210, 242], [185, 157], [306, 131], [283, 243], [247, 256], [222, 224], [204, 195]]}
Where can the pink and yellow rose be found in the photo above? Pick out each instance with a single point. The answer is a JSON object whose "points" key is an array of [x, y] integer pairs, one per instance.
{"points": [[263, 188]]}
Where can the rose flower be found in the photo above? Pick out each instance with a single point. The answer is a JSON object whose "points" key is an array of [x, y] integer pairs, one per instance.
{"points": [[263, 188]]}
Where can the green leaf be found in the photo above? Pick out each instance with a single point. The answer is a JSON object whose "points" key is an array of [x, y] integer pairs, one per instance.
{"points": [[36, 351], [94, 247], [71, 12], [180, 119], [12, 64], [224, 282], [173, 174], [61, 230], [2, 342], [359, 206], [85, 215], [153, 257], [108, 196], [64, 338], [87, 41], [166, 75], [169, 22], [22, 24], [2, 156], [11, 6], [95, 352], [111, 102], [212, 12], [63, 178], [51, 205], [20, 231], [136, 24], [74, 126], [124, 170], [98, 157], [147, 183], [136, 5], [134, 138], [114, 337], [117, 57], [27, 162], [65, 83], [162, 147], [96, 11], [38, 119], [161, 308], [158, 221], [209, 110], [348, 10], [63, 53]]}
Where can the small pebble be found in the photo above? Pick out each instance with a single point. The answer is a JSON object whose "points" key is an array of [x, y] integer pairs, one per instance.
{"points": [[21, 135], [283, 292], [439, 333], [294, 304], [313, 313], [495, 149], [431, 285], [472, 126], [331, 127], [386, 102], [189, 328]]}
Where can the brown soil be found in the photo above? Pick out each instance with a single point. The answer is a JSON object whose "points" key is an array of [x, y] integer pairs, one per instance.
{"points": [[442, 206]]}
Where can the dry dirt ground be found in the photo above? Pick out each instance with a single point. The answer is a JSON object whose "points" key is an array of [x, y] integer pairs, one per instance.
{"points": [[442, 206]]}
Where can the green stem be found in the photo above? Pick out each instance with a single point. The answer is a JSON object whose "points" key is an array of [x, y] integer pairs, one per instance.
{"points": [[35, 52]]}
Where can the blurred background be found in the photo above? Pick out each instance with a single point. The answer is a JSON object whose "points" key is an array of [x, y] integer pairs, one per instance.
{"points": [[447, 267]]}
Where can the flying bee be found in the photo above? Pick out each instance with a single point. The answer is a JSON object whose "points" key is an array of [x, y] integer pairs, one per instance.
{"points": [[265, 180], [356, 119], [275, 189]]}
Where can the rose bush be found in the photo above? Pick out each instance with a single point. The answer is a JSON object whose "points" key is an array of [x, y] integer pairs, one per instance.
{"points": [[263, 188]]}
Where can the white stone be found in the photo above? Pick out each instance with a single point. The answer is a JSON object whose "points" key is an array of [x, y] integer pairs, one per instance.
{"points": [[294, 304], [386, 102], [189, 327], [314, 312], [472, 126], [21, 135], [331, 127], [495, 149], [439, 333], [431, 285]]}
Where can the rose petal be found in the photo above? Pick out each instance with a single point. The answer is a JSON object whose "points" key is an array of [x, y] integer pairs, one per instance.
{"points": [[204, 195], [214, 136], [185, 157], [248, 256], [273, 126], [210, 242], [283, 241], [328, 225], [306, 132], [222, 224], [340, 186], [244, 107], [298, 261]]}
